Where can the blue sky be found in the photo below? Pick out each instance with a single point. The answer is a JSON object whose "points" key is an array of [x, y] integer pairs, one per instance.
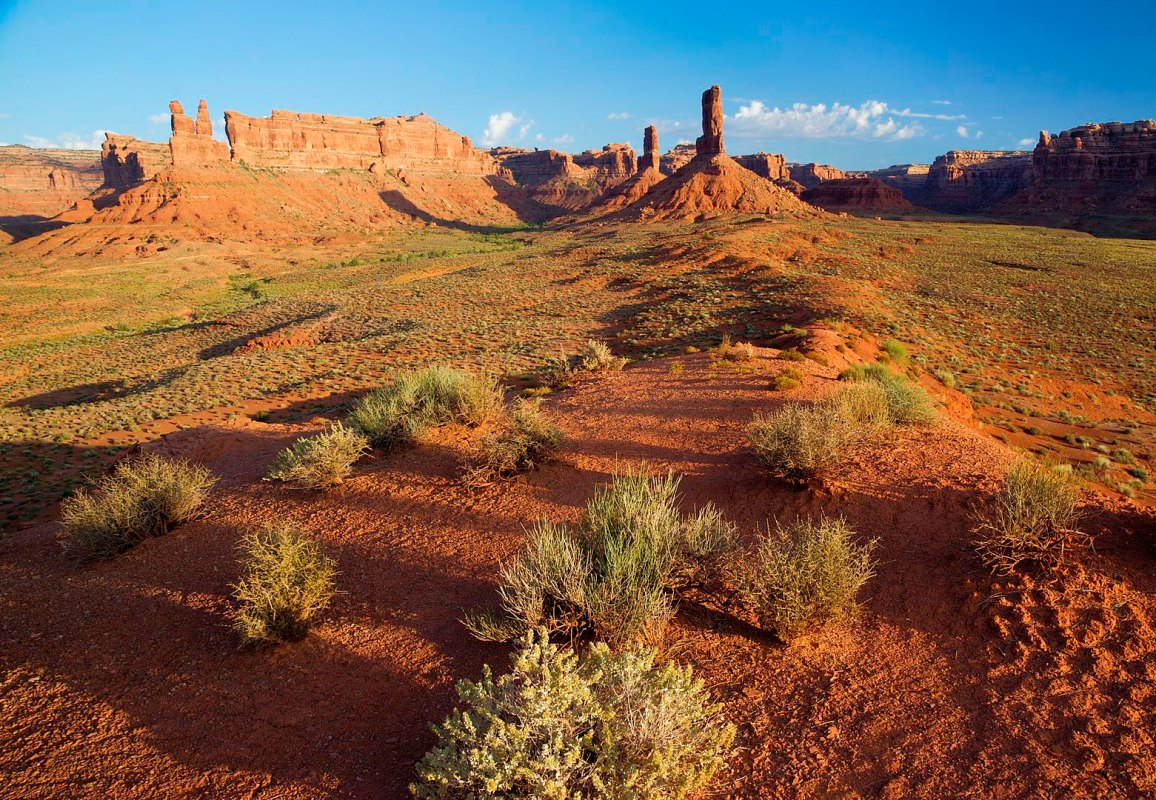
{"points": [[860, 85]]}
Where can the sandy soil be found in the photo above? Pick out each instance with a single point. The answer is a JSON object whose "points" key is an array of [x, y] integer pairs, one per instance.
{"points": [[124, 680]]}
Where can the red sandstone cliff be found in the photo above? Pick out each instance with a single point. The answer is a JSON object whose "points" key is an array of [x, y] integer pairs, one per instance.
{"points": [[858, 194], [564, 182], [811, 175], [41, 182], [963, 181]]}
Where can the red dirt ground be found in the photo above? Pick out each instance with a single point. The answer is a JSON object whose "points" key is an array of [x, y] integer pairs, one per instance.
{"points": [[123, 679]]}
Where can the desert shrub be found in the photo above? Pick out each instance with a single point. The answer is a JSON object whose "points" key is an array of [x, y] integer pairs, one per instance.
{"points": [[526, 440], [1033, 519], [595, 356], [613, 574], [799, 442], [865, 405], [560, 725], [791, 354], [144, 496], [896, 351], [787, 380], [804, 574], [314, 462], [287, 581], [947, 378], [417, 400], [728, 350], [907, 402]]}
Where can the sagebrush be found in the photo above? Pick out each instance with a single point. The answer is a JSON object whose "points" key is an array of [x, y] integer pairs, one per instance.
{"points": [[907, 402], [144, 496], [603, 725], [1035, 518], [804, 574], [612, 575], [596, 357], [526, 440], [417, 400], [286, 583], [326, 459]]}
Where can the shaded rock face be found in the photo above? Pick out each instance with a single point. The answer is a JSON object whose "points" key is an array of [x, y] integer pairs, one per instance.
{"points": [[1113, 151], [910, 179], [854, 194], [811, 175], [771, 166], [566, 182], [650, 158], [674, 159], [711, 141], [963, 181], [289, 140], [128, 161], [40, 182]]}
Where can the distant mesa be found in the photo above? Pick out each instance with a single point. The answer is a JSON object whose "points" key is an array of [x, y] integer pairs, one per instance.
{"points": [[858, 194]]}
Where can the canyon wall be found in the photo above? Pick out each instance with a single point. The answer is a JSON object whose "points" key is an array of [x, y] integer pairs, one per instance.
{"points": [[676, 158], [857, 194], [567, 182], [963, 181], [40, 182], [771, 166], [811, 175], [290, 140]]}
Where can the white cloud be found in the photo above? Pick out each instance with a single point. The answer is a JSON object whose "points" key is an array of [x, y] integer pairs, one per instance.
{"points": [[501, 128], [563, 139], [1026, 142], [157, 119], [907, 112], [979, 134], [942, 103], [962, 131], [67, 141], [871, 120], [618, 115]]}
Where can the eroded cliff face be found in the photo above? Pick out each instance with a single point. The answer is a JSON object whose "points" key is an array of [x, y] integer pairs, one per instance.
{"points": [[771, 166], [963, 181], [42, 183], [291, 140], [858, 194], [811, 175], [563, 182], [677, 157]]}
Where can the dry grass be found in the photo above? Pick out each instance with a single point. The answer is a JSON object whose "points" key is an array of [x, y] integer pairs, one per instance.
{"points": [[613, 575], [417, 400], [596, 357], [145, 496], [526, 440], [804, 574], [1034, 518], [287, 582], [326, 459]]}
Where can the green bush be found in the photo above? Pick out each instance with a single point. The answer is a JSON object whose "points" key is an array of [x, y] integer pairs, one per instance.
{"points": [[728, 350], [596, 357], [1033, 519], [418, 400], [326, 459], [526, 440], [287, 581], [800, 442], [907, 402], [144, 496], [611, 576], [609, 726], [804, 574], [896, 351]]}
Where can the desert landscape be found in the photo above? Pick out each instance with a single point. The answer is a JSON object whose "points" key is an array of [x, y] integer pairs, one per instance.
{"points": [[350, 457]]}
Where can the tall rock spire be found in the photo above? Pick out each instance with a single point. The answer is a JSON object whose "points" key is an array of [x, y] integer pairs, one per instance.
{"points": [[711, 141]]}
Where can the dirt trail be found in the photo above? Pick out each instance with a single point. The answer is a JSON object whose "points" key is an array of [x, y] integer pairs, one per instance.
{"points": [[123, 679]]}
